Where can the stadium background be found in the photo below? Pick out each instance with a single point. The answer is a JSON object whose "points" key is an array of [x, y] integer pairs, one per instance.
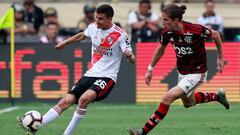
{"points": [[49, 76], [43, 75], [44, 80]]}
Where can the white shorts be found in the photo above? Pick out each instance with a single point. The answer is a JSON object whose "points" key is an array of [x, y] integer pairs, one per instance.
{"points": [[190, 82]]}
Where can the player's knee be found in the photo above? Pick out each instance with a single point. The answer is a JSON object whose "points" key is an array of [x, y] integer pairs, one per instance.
{"points": [[83, 101], [168, 99], [64, 103]]}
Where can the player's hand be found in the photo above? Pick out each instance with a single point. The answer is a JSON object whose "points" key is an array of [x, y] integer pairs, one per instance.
{"points": [[148, 77], [130, 56], [60, 45], [220, 64]]}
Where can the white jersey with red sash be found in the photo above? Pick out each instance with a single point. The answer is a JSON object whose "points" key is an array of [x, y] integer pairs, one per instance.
{"points": [[107, 48]]}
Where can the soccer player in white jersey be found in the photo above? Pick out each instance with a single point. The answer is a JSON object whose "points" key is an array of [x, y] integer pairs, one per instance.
{"points": [[109, 42]]}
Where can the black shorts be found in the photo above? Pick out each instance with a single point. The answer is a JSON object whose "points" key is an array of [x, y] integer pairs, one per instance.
{"points": [[101, 85]]}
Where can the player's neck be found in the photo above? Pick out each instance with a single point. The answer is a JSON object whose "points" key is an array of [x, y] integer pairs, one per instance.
{"points": [[108, 27], [180, 27]]}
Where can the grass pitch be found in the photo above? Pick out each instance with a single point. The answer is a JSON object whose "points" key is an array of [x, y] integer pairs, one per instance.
{"points": [[113, 119]]}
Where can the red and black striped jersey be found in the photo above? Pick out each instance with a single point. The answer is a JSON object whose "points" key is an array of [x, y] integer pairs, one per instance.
{"points": [[189, 47]]}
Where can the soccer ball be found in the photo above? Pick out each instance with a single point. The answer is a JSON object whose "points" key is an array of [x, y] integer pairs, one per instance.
{"points": [[32, 120]]}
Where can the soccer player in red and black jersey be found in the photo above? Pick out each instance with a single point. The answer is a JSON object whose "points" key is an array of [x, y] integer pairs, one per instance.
{"points": [[188, 42]]}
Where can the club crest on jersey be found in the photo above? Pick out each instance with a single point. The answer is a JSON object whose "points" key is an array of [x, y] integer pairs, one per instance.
{"points": [[110, 40], [188, 39]]}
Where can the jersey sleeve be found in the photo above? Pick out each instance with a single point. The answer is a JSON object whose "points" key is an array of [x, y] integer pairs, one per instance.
{"points": [[164, 37], [87, 31], [124, 43], [206, 32]]}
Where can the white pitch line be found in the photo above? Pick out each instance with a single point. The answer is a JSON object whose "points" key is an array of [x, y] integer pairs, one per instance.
{"points": [[9, 109]]}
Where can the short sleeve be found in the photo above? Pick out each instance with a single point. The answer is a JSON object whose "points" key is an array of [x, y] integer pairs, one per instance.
{"points": [[124, 42], [206, 32], [164, 37], [87, 31]]}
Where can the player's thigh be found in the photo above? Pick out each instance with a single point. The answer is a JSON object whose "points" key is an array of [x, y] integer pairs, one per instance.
{"points": [[81, 87], [102, 87], [189, 83], [173, 94]]}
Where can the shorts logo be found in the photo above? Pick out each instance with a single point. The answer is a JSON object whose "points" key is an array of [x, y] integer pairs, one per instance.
{"points": [[192, 82], [73, 88]]}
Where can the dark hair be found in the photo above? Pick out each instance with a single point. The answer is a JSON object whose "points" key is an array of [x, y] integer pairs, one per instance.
{"points": [[148, 2], [211, 1], [173, 11], [105, 9], [145, 2]]}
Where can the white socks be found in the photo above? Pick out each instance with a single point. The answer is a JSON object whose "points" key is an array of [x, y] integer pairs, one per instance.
{"points": [[51, 115], [77, 116]]}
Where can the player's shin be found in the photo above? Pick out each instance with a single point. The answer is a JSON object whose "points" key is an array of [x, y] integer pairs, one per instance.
{"points": [[160, 113], [51, 115], [77, 116]]}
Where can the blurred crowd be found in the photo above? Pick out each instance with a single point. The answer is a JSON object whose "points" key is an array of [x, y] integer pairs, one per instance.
{"points": [[143, 25]]}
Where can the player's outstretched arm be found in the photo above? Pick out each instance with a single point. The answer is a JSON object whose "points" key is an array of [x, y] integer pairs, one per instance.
{"points": [[78, 37], [130, 56], [217, 38], [156, 56]]}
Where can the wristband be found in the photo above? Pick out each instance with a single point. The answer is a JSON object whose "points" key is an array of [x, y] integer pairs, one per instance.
{"points": [[150, 68]]}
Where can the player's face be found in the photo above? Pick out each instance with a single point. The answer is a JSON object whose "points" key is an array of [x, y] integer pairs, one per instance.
{"points": [[168, 23], [103, 22]]}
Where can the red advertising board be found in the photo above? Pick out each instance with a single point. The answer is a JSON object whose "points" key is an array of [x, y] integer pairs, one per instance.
{"points": [[229, 79]]}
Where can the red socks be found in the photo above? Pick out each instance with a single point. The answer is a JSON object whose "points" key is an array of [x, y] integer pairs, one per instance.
{"points": [[160, 113], [205, 97]]}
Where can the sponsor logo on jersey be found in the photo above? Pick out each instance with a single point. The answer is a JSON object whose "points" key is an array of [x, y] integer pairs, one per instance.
{"points": [[180, 40], [101, 50]]}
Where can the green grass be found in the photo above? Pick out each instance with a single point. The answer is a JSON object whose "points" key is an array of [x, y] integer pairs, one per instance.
{"points": [[110, 119]]}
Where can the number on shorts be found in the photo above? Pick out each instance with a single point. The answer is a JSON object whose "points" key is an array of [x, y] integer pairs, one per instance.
{"points": [[101, 83]]}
